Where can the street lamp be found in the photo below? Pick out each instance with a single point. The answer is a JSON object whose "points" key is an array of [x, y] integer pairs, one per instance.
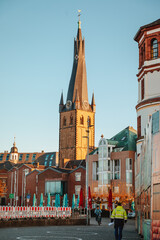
{"points": [[87, 160]]}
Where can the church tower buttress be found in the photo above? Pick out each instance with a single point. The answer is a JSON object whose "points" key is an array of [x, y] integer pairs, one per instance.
{"points": [[75, 112]]}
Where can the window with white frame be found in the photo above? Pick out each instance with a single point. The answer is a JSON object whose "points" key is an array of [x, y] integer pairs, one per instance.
{"points": [[78, 176], [105, 152], [128, 170], [117, 168], [109, 165], [100, 167], [94, 171], [100, 152], [129, 177], [77, 189], [53, 187], [105, 178], [105, 165], [128, 164]]}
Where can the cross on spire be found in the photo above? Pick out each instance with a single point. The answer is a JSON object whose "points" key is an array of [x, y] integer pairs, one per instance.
{"points": [[79, 21]]}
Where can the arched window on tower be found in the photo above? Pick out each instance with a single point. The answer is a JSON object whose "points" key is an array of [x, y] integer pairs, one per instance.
{"points": [[89, 121], [71, 120], [154, 48], [82, 120], [64, 121], [141, 57]]}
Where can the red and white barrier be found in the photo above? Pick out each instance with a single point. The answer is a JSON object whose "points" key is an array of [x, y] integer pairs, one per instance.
{"points": [[63, 212], [34, 212]]}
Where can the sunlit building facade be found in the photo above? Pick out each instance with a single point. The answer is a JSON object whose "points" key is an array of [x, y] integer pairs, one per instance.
{"points": [[112, 167]]}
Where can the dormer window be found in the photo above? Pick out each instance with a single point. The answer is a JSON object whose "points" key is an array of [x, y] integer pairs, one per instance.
{"points": [[154, 48]]}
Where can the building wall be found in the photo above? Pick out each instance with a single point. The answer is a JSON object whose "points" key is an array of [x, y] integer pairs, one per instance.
{"points": [[91, 182], [145, 112], [156, 175], [72, 183], [48, 175], [16, 185], [122, 181], [4, 180], [31, 186]]}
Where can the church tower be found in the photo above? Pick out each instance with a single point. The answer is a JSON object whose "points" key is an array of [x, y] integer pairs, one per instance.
{"points": [[75, 112], [148, 39]]}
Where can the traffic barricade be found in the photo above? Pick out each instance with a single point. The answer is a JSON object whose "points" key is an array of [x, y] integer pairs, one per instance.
{"points": [[63, 212]]}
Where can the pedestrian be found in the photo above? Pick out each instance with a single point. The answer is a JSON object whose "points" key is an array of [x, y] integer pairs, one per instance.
{"points": [[119, 216], [98, 214]]}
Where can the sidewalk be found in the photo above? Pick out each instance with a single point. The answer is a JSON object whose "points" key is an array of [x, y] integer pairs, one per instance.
{"points": [[129, 231]]}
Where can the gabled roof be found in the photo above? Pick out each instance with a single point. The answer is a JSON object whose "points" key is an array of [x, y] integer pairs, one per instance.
{"points": [[77, 169], [55, 169], [33, 172], [6, 165]]}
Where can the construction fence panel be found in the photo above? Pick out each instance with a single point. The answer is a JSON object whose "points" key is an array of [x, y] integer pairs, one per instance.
{"points": [[34, 212], [63, 212]]}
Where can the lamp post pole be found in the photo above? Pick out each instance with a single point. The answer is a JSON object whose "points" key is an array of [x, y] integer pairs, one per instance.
{"points": [[87, 160]]}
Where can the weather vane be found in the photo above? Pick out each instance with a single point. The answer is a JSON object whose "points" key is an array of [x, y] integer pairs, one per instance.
{"points": [[79, 13]]}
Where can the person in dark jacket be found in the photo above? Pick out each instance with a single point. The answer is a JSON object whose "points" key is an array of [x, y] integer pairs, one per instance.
{"points": [[98, 214], [119, 216]]}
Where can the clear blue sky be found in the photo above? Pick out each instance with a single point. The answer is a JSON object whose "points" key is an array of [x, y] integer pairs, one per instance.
{"points": [[36, 56]]}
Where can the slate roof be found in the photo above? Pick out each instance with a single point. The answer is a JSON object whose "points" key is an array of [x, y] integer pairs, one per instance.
{"points": [[6, 165], [47, 159], [126, 140], [95, 151], [75, 163]]}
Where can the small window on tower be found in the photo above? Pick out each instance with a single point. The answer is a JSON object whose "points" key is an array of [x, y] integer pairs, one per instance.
{"points": [[141, 57], [154, 48], [64, 121], [142, 89], [71, 120], [81, 120], [139, 126]]}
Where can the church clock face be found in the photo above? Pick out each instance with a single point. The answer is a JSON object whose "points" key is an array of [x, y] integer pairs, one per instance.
{"points": [[68, 104], [76, 57], [85, 104]]}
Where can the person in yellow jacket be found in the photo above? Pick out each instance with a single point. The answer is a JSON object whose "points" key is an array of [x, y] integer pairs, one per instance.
{"points": [[119, 216]]}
